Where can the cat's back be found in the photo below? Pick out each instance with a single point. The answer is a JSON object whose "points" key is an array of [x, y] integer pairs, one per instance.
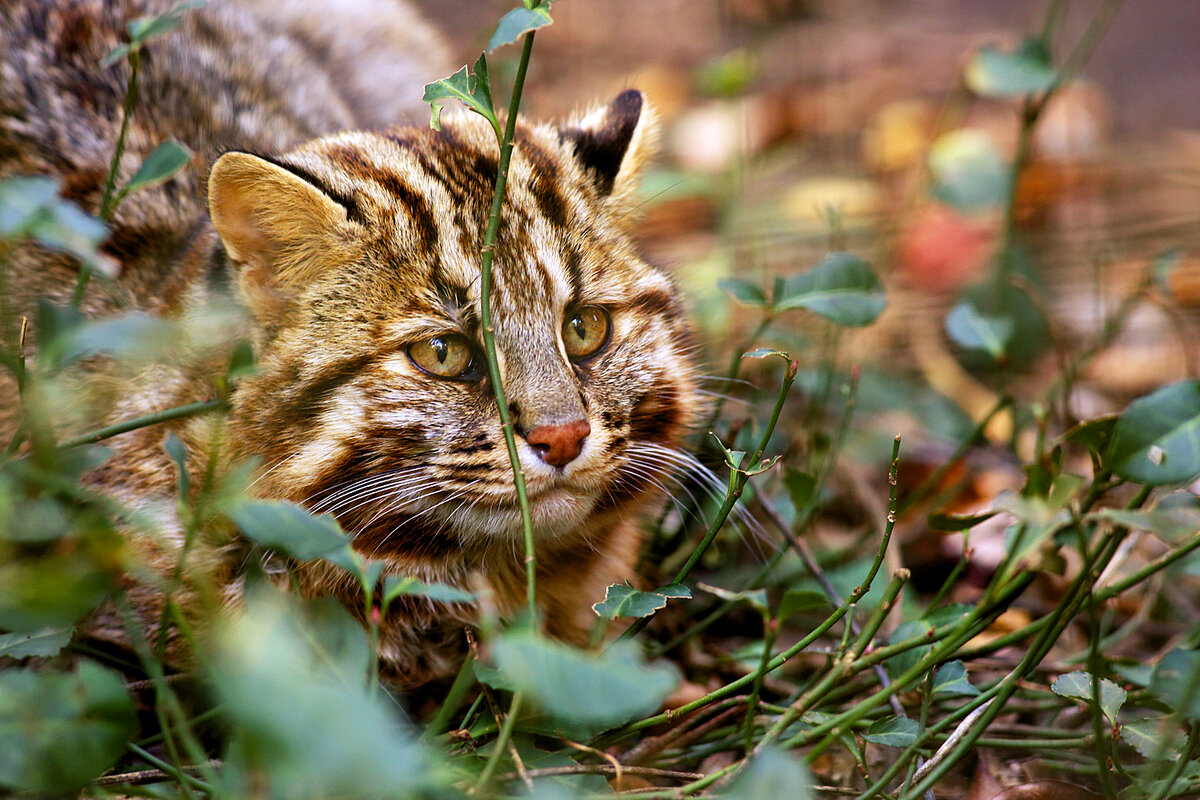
{"points": [[255, 75]]}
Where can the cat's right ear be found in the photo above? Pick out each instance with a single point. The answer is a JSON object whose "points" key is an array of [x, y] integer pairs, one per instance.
{"points": [[279, 229]]}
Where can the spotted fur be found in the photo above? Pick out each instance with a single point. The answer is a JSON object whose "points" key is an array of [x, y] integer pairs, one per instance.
{"points": [[350, 248]]}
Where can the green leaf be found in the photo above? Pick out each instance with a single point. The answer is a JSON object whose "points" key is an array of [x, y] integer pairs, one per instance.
{"points": [[771, 775], [796, 600], [595, 692], [1171, 525], [940, 521], [756, 598], [1146, 737], [893, 732], [970, 329], [1160, 271], [177, 452], [289, 528], [1026, 70], [143, 29], [166, 159], [968, 171], [764, 352], [518, 22], [742, 291], [1157, 438], [31, 207], [1176, 679], [1094, 434], [303, 720], [841, 288], [472, 89], [396, 585], [58, 731], [44, 643], [134, 336], [951, 679], [902, 662], [622, 600], [800, 486], [1078, 685]]}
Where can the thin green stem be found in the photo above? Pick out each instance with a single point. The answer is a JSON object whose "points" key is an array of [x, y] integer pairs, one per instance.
{"points": [[179, 412], [501, 743], [458, 690], [107, 204], [489, 331]]}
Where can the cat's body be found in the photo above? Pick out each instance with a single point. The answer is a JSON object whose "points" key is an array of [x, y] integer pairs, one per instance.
{"points": [[357, 256]]}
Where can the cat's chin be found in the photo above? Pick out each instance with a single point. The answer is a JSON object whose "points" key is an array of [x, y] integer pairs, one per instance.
{"points": [[555, 513]]}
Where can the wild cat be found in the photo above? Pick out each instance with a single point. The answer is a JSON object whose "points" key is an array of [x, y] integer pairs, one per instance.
{"points": [[356, 255]]}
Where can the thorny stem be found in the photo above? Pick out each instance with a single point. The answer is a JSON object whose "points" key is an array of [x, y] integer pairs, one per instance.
{"points": [[489, 332]]}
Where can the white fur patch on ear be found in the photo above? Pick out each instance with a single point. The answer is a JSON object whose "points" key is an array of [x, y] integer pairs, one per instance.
{"points": [[613, 143]]}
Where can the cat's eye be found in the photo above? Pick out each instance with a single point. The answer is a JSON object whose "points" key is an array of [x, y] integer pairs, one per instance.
{"points": [[448, 356], [585, 331]]}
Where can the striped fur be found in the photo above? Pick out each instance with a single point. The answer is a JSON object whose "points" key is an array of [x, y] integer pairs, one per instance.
{"points": [[352, 247]]}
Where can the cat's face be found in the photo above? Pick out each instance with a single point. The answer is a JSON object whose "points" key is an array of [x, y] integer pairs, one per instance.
{"points": [[359, 255]]}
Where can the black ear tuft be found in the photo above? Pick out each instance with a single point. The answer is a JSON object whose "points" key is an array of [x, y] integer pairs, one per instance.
{"points": [[601, 140]]}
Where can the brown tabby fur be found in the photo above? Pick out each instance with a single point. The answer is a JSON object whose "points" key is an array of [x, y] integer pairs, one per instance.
{"points": [[346, 250]]}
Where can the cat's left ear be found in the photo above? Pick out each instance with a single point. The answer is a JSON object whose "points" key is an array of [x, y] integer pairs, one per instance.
{"points": [[613, 143]]}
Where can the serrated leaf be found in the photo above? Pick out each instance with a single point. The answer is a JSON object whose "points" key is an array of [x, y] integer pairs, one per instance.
{"points": [[1026, 70], [166, 159], [972, 330], [1175, 679], [893, 732], [44, 643], [968, 171], [396, 585], [58, 730], [289, 528], [743, 291], [558, 678], [941, 521], [517, 23], [1157, 438], [951, 679], [465, 87], [622, 600], [771, 774], [1078, 685], [1144, 736], [842, 288]]}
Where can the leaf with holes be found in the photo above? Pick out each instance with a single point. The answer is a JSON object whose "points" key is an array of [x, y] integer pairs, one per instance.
{"points": [[473, 89], [842, 288], [1157, 438]]}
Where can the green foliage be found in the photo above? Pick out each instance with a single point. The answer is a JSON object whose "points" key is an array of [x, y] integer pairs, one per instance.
{"points": [[145, 29], [841, 288], [472, 87], [289, 528], [518, 22], [1078, 685], [60, 730], [162, 163], [1157, 438], [555, 677], [622, 600], [1026, 70], [1176, 679], [771, 773], [951, 679], [968, 172], [893, 732]]}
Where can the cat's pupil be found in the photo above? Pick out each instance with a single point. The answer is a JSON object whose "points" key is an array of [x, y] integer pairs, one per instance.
{"points": [[440, 349], [579, 327]]}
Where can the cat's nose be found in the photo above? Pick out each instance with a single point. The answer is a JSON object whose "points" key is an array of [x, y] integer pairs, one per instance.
{"points": [[559, 445]]}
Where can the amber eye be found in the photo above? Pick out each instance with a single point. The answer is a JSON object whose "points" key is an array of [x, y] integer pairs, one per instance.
{"points": [[585, 331], [448, 356]]}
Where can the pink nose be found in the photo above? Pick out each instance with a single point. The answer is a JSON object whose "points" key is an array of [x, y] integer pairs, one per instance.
{"points": [[559, 445]]}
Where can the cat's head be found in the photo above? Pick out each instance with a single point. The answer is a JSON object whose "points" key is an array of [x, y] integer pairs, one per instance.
{"points": [[359, 257]]}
